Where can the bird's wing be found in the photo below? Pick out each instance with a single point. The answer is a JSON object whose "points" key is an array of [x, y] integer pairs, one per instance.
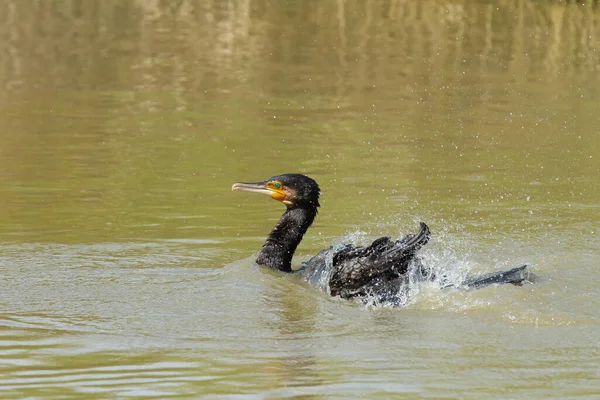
{"points": [[356, 269], [317, 270]]}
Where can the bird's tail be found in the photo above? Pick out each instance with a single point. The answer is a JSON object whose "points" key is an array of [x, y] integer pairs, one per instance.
{"points": [[516, 276]]}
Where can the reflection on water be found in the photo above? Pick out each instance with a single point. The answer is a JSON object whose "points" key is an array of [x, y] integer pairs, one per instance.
{"points": [[126, 264]]}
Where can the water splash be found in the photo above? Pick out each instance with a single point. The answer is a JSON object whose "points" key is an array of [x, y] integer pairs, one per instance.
{"points": [[448, 261]]}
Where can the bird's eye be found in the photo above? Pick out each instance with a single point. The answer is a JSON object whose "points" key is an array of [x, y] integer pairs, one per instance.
{"points": [[277, 185]]}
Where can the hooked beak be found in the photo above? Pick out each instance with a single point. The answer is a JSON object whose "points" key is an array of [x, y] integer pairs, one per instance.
{"points": [[257, 187], [261, 187]]}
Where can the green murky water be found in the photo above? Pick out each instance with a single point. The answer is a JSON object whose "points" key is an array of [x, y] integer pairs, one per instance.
{"points": [[126, 264]]}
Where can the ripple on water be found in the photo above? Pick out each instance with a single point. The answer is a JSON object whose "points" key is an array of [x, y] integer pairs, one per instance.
{"points": [[155, 319]]}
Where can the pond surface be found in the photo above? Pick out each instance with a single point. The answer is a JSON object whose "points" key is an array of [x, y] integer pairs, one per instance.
{"points": [[127, 264]]}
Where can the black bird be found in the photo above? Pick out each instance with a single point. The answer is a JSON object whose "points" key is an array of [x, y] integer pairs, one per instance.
{"points": [[379, 271]]}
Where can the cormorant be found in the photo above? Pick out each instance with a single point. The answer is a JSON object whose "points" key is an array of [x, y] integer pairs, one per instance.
{"points": [[379, 271]]}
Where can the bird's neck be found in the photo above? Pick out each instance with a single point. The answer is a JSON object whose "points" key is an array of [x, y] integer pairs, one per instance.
{"points": [[281, 243]]}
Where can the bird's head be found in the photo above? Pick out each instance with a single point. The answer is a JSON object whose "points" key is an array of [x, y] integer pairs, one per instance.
{"points": [[293, 190]]}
